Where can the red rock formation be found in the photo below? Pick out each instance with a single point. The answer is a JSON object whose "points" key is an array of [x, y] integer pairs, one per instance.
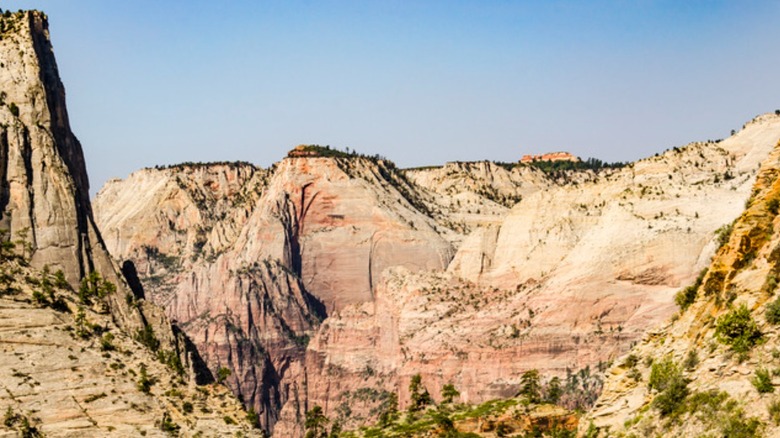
{"points": [[552, 156], [249, 281]]}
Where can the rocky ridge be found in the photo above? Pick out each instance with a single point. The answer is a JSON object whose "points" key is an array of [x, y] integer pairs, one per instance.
{"points": [[723, 339], [49, 236], [329, 225], [69, 371], [547, 289], [539, 285]]}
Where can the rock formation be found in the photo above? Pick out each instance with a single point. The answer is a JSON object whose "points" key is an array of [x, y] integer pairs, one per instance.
{"points": [[70, 358], [722, 346], [44, 189], [567, 278], [551, 156], [75, 373], [248, 262]]}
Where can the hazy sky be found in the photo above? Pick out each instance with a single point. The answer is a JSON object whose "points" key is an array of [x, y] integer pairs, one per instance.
{"points": [[421, 82]]}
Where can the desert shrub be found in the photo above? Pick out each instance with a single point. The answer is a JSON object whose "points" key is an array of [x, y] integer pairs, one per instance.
{"points": [[107, 342], [146, 337], [168, 426], [762, 381], [666, 378], [685, 297], [723, 233], [145, 382], [773, 312], [738, 330], [774, 411], [737, 426], [222, 374], [773, 205], [253, 418]]}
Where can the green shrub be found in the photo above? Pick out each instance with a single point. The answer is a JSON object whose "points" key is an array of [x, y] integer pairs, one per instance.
{"points": [[774, 411], [762, 381], [253, 418], [672, 398], [773, 205], [168, 426], [738, 330], [691, 360], [146, 337], [723, 234], [737, 426], [222, 374], [666, 378], [145, 382], [686, 297], [107, 342], [662, 373], [773, 312]]}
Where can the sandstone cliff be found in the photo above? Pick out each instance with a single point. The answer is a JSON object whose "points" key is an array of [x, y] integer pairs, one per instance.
{"points": [[47, 228], [723, 343], [567, 278], [44, 190], [468, 196], [248, 262]]}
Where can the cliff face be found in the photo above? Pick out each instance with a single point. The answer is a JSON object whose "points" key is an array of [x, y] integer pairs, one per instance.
{"points": [[70, 372], [567, 278], [571, 277], [249, 262], [44, 191], [65, 352], [720, 344], [463, 197]]}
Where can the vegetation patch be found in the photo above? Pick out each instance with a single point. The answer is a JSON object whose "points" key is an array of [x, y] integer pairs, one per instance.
{"points": [[738, 330], [686, 297]]}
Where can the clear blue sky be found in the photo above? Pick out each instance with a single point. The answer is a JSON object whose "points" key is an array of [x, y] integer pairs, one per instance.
{"points": [[421, 82]]}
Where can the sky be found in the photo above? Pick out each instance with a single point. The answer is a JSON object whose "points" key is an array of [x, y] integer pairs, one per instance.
{"points": [[420, 82]]}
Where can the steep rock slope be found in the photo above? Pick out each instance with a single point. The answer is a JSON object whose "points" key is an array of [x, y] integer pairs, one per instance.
{"points": [[572, 277], [468, 195], [305, 240], [44, 191], [68, 371], [723, 347], [49, 238]]}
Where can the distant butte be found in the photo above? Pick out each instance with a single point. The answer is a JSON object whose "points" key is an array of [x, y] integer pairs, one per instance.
{"points": [[553, 156]]}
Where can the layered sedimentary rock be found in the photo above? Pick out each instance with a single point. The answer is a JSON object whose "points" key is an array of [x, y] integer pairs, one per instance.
{"points": [[700, 342], [571, 277], [551, 156], [44, 189], [307, 239], [466, 196], [70, 360], [61, 378], [568, 277]]}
